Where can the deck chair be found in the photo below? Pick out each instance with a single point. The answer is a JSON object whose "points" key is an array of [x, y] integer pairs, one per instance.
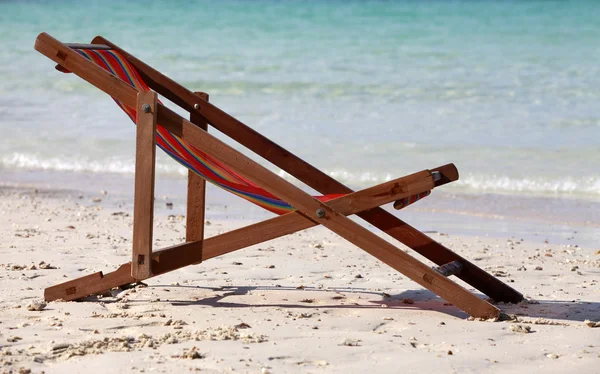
{"points": [[134, 85]]}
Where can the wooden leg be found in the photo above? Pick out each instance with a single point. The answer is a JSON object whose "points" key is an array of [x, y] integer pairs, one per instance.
{"points": [[194, 223], [143, 201], [196, 192], [90, 284], [440, 255]]}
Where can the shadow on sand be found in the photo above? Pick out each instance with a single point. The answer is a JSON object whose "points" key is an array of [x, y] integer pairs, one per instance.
{"points": [[410, 300]]}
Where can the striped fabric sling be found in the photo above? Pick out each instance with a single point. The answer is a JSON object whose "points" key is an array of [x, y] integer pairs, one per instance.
{"points": [[189, 156]]}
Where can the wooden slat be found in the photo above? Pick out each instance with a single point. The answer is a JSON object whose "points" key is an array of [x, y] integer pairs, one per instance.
{"points": [[320, 181], [90, 284], [143, 200], [178, 256], [196, 191]]}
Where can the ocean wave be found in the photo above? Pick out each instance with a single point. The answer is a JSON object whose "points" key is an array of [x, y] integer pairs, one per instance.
{"points": [[110, 165], [538, 185]]}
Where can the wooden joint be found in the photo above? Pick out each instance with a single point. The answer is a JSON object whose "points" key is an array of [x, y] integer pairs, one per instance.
{"points": [[397, 189], [444, 174], [451, 268], [71, 290]]}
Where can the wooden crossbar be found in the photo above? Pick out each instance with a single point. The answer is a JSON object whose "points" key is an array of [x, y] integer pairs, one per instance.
{"points": [[309, 210], [451, 268]]}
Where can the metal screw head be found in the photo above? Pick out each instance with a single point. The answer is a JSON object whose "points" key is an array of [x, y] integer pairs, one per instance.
{"points": [[196, 106], [320, 213], [146, 108]]}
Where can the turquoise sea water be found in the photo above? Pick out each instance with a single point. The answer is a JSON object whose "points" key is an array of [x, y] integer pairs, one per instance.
{"points": [[368, 91]]}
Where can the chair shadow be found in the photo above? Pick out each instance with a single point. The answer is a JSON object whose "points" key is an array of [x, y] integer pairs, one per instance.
{"points": [[407, 300], [570, 310]]}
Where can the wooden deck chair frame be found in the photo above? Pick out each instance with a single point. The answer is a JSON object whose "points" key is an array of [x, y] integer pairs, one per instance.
{"points": [[309, 211]]}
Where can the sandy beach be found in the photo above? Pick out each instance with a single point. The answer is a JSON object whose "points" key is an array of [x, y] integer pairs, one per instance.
{"points": [[308, 302]]}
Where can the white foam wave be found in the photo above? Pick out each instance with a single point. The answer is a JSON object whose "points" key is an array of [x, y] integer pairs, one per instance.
{"points": [[542, 185], [361, 178], [476, 182], [108, 165]]}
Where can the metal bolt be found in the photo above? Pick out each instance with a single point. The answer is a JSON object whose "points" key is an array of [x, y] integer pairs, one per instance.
{"points": [[320, 213], [146, 108], [197, 106]]}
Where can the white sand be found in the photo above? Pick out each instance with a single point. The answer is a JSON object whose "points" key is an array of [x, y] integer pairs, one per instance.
{"points": [[309, 302]]}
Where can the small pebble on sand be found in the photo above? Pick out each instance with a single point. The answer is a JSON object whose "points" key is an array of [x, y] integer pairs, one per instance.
{"points": [[520, 329], [36, 305], [351, 342], [592, 324]]}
